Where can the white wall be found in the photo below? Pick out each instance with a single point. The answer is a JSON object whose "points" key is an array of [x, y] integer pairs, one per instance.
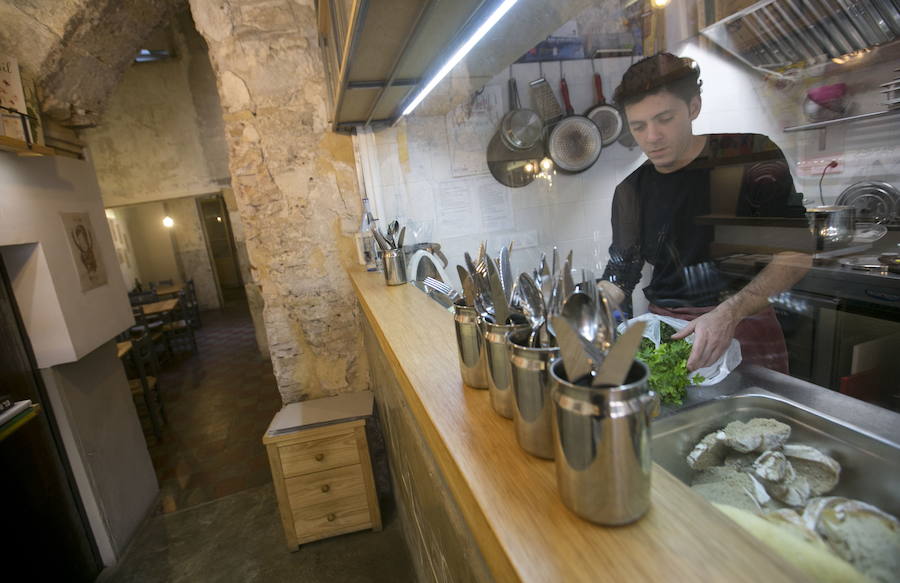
{"points": [[154, 252], [413, 159], [105, 446], [71, 333], [118, 226], [35, 192]]}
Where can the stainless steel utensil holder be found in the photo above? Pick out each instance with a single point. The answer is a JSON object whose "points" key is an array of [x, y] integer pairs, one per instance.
{"points": [[394, 266], [532, 406], [470, 346], [601, 441], [498, 365]]}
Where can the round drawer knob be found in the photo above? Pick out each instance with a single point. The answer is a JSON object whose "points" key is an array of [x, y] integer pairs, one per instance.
{"points": [[326, 488], [331, 517], [320, 457]]}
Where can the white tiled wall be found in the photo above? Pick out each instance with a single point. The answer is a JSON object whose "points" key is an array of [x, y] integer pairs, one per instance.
{"points": [[574, 211]]}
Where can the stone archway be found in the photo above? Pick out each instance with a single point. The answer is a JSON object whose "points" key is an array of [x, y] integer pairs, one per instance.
{"points": [[294, 181]]}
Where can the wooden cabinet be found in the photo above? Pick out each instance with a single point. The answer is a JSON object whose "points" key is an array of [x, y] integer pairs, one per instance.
{"points": [[323, 479]]}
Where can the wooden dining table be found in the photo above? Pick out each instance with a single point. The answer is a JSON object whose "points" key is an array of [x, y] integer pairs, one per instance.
{"points": [[123, 348], [166, 290], [159, 307]]}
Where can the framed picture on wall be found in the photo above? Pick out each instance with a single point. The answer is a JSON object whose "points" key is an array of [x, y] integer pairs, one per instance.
{"points": [[85, 251]]}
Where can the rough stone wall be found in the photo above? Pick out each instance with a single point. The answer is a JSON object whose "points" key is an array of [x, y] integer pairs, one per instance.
{"points": [[190, 250], [161, 135], [295, 186], [77, 50]]}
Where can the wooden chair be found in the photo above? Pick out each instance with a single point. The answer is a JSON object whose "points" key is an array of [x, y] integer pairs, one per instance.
{"points": [[140, 298], [146, 385], [153, 327], [192, 305], [178, 330]]}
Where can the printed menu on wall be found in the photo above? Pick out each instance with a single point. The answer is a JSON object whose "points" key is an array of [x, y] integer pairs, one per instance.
{"points": [[11, 97]]}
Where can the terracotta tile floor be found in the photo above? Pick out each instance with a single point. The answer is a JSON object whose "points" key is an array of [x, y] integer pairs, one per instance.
{"points": [[219, 402]]}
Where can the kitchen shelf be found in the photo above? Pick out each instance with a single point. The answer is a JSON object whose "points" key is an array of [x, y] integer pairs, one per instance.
{"points": [[840, 120], [22, 148], [800, 222], [18, 421]]}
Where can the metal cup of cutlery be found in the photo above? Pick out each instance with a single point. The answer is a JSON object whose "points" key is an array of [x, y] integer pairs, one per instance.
{"points": [[394, 266], [601, 442], [532, 406], [470, 346], [498, 366]]}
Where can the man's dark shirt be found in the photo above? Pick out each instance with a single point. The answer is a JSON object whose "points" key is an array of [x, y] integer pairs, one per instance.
{"points": [[653, 217]]}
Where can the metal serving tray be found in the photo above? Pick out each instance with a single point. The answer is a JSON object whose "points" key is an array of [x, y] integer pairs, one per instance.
{"points": [[870, 465]]}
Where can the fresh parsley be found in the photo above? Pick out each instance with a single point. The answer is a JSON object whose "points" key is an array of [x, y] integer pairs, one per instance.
{"points": [[669, 375]]}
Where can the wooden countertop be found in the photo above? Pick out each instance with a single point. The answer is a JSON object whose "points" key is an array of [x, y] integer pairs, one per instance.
{"points": [[509, 498]]}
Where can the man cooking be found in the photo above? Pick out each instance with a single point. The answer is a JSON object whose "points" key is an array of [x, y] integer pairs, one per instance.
{"points": [[686, 176]]}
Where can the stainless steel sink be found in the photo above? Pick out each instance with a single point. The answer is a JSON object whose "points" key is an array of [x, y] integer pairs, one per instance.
{"points": [[870, 464]]}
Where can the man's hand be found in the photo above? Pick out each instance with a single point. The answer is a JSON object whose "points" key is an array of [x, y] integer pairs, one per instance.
{"points": [[714, 332]]}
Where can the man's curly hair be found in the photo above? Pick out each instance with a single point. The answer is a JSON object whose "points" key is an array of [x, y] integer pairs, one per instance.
{"points": [[661, 72]]}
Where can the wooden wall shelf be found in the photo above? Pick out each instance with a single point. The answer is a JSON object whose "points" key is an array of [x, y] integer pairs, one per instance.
{"points": [[24, 149]]}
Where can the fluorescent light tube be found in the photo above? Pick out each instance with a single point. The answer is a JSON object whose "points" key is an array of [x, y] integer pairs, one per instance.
{"points": [[485, 27]]}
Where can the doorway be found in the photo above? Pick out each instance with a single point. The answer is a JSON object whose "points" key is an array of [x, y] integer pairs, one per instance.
{"points": [[221, 247]]}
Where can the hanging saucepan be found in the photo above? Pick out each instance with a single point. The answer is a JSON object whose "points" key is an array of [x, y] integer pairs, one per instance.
{"points": [[574, 143], [520, 129], [607, 117], [513, 168], [510, 164]]}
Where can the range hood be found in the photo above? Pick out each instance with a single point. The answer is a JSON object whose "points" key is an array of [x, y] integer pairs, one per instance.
{"points": [[390, 48], [783, 37]]}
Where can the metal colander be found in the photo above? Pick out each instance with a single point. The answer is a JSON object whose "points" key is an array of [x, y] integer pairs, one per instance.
{"points": [[575, 143]]}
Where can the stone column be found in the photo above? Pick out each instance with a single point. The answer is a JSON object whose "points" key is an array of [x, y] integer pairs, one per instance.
{"points": [[295, 186]]}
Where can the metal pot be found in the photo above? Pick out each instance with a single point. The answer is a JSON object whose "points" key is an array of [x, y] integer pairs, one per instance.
{"points": [[832, 227]]}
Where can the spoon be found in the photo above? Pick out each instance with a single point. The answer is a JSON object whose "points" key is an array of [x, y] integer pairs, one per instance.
{"points": [[532, 306], [579, 310], [401, 237]]}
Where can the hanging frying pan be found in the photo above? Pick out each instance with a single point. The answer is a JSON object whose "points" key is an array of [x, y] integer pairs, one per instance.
{"points": [[520, 129], [607, 117], [625, 138], [575, 142]]}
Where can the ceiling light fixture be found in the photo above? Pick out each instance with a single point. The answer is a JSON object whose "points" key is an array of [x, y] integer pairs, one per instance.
{"points": [[482, 30], [660, 3], [168, 222]]}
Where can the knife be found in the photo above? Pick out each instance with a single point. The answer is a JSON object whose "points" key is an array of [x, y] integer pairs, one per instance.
{"points": [[571, 348], [618, 361], [506, 276], [498, 297]]}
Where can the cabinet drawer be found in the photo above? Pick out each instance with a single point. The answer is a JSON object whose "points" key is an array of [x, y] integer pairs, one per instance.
{"points": [[331, 518], [319, 454], [312, 489]]}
